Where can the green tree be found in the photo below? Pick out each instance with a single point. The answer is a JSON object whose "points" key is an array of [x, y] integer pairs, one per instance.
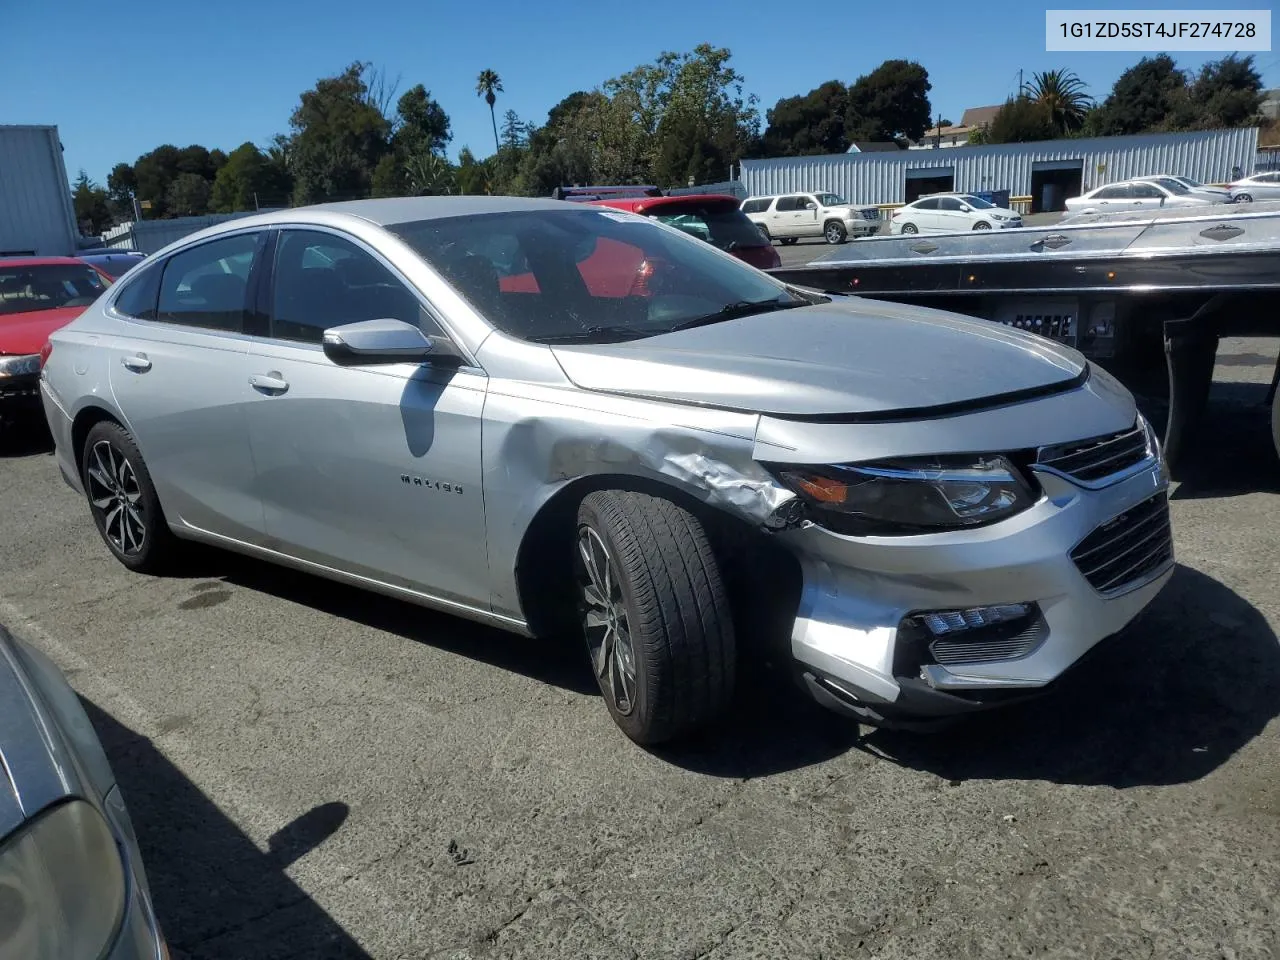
{"points": [[1021, 120], [338, 138], [687, 114], [515, 132], [248, 180], [489, 85], [188, 195], [810, 124], [1150, 95], [93, 213], [889, 103], [472, 175], [1227, 92], [1062, 96], [420, 125], [121, 184]]}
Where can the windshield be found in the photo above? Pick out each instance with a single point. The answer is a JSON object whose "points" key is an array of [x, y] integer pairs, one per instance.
{"points": [[832, 200], [1187, 181], [24, 289], [725, 227], [589, 276], [977, 203]]}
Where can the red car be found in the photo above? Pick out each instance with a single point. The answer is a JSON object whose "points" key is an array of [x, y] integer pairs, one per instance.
{"points": [[714, 218], [37, 296]]}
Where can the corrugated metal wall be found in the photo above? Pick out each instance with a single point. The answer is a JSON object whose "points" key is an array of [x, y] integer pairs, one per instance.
{"points": [[881, 177], [148, 236], [36, 214]]}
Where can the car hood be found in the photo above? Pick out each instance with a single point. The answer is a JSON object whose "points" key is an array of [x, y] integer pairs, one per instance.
{"points": [[24, 333], [850, 358]]}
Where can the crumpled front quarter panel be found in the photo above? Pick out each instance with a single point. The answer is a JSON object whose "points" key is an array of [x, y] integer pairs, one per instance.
{"points": [[538, 438]]}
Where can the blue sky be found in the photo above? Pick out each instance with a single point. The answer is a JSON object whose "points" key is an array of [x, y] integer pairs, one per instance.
{"points": [[119, 80]]}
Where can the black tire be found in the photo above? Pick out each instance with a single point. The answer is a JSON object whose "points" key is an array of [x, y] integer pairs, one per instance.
{"points": [[833, 231], [663, 591], [1275, 423], [1243, 198], [790, 241], [982, 225], [764, 232], [909, 228], [123, 502]]}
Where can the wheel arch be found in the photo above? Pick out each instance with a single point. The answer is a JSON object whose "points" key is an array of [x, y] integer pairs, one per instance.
{"points": [[543, 559], [86, 418]]}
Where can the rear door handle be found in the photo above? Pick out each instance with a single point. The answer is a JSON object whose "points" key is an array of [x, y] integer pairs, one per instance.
{"points": [[269, 383], [137, 363]]}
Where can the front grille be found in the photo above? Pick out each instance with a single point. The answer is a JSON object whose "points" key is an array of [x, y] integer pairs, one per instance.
{"points": [[1003, 642], [1129, 549], [870, 213], [1098, 457]]}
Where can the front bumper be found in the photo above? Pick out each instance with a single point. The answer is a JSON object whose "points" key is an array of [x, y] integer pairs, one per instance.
{"points": [[858, 227], [848, 635]]}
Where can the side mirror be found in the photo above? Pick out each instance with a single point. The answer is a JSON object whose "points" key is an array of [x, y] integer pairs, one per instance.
{"points": [[811, 206], [965, 209], [381, 341]]}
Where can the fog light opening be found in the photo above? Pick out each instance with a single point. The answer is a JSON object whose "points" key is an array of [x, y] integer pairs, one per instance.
{"points": [[943, 622]]}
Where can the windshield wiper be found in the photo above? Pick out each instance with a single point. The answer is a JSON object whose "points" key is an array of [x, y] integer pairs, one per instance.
{"points": [[593, 335], [732, 311]]}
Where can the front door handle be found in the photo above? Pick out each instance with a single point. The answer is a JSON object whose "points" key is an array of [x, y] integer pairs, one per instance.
{"points": [[270, 382], [138, 363]]}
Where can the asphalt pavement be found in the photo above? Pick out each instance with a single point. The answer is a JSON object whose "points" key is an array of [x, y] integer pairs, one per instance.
{"points": [[318, 773]]}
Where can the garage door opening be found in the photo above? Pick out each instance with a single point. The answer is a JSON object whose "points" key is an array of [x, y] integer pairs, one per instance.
{"points": [[1053, 181], [925, 180]]}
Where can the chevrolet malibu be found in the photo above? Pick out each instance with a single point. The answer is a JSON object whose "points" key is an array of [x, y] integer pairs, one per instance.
{"points": [[551, 417]]}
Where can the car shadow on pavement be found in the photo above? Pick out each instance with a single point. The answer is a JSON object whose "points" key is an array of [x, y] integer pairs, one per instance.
{"points": [[560, 662], [1230, 451], [215, 893], [1169, 700], [24, 440]]}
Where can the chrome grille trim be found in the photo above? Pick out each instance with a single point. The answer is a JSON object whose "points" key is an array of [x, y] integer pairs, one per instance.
{"points": [[1099, 461], [1129, 550]]}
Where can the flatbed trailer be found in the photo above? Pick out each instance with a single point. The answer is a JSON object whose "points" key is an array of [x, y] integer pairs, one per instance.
{"points": [[1146, 295]]}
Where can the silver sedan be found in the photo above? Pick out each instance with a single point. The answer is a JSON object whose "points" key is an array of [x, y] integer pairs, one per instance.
{"points": [[71, 878], [548, 417]]}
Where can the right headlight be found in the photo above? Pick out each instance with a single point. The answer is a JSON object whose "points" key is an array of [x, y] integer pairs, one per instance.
{"points": [[910, 495], [21, 365], [62, 886]]}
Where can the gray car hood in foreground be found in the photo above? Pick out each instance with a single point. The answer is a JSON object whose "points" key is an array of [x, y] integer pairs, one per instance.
{"points": [[852, 358]]}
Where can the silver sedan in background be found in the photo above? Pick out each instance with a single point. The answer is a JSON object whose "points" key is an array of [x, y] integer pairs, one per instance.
{"points": [[548, 417], [71, 879]]}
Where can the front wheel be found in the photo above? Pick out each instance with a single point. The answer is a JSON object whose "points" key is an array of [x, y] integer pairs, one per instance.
{"points": [[982, 225], [764, 232], [834, 232], [909, 228], [655, 613], [123, 501], [1244, 198]]}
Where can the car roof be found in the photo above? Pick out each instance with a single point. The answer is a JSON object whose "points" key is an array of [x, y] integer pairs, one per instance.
{"points": [[39, 262], [391, 210], [643, 204]]}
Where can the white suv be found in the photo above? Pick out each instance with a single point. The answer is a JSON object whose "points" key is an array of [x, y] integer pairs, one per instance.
{"points": [[790, 216]]}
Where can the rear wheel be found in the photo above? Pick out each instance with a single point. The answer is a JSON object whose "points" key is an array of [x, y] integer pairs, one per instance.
{"points": [[764, 232], [834, 232], [909, 228], [655, 614], [123, 501], [789, 241], [1275, 423]]}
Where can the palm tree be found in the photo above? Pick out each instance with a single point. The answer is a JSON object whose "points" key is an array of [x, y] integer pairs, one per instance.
{"points": [[1061, 94], [489, 85]]}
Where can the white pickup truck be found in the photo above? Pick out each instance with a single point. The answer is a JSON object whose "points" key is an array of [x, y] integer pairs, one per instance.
{"points": [[788, 217]]}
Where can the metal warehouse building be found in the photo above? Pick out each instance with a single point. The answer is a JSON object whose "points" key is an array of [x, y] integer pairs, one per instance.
{"points": [[1048, 172]]}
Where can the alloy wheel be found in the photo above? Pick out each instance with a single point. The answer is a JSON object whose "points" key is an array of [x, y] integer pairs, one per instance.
{"points": [[604, 619], [116, 498]]}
